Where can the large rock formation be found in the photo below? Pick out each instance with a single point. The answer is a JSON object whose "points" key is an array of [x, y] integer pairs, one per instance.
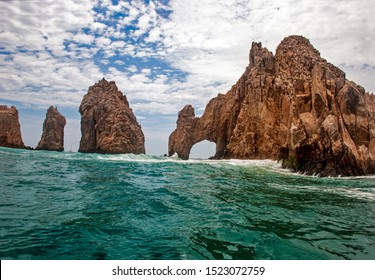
{"points": [[293, 106], [108, 124], [53, 131], [10, 129]]}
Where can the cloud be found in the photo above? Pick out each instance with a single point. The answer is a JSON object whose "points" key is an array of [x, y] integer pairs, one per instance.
{"points": [[133, 68], [103, 42], [82, 38]]}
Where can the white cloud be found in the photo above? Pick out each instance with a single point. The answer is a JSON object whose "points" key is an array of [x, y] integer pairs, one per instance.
{"points": [[97, 26], [119, 62], [102, 42], [154, 35], [118, 44], [132, 68], [84, 38], [147, 20]]}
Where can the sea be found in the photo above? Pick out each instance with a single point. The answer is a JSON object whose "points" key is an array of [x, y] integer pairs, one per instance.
{"points": [[74, 206]]}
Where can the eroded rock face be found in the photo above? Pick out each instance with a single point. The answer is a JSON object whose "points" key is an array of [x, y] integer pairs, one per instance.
{"points": [[53, 131], [108, 124], [10, 129], [293, 106]]}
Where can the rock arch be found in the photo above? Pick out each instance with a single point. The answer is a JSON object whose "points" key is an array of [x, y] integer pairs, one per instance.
{"points": [[215, 125], [293, 106]]}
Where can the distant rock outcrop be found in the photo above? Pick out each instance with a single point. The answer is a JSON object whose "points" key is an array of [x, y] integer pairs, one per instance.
{"points": [[293, 106], [10, 129], [108, 124], [53, 131]]}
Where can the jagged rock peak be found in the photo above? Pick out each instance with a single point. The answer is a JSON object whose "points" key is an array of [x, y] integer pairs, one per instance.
{"points": [[296, 44], [10, 129], [52, 138], [293, 106], [108, 124]]}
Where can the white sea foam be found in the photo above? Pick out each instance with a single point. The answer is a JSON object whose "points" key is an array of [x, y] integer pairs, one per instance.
{"points": [[360, 193], [274, 165], [364, 193], [269, 165]]}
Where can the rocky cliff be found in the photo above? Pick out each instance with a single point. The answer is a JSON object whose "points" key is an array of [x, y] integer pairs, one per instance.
{"points": [[293, 106], [10, 129], [53, 131], [108, 124]]}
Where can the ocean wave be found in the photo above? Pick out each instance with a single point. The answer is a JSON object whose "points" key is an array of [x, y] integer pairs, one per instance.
{"points": [[366, 193], [175, 159]]}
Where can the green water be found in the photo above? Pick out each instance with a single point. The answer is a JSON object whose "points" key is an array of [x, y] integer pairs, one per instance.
{"points": [[89, 206]]}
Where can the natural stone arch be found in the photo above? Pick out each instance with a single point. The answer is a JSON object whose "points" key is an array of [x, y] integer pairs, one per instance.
{"points": [[215, 125], [292, 106]]}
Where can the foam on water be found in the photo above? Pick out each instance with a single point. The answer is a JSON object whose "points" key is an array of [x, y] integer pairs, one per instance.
{"points": [[349, 191], [176, 159]]}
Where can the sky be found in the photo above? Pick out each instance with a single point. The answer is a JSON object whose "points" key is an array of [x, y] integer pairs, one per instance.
{"points": [[162, 54]]}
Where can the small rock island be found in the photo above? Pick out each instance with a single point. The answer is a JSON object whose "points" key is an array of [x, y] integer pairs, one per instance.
{"points": [[108, 124], [293, 106], [52, 138], [10, 129]]}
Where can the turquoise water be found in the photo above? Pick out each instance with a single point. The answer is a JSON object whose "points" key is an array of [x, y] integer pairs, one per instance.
{"points": [[90, 206]]}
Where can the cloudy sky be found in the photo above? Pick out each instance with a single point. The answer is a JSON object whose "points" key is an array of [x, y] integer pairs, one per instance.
{"points": [[161, 54]]}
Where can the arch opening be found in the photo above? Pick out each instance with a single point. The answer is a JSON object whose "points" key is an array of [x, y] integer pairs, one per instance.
{"points": [[203, 150]]}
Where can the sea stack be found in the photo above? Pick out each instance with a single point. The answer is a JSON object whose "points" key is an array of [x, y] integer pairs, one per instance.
{"points": [[293, 106], [10, 129], [108, 124], [53, 131]]}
